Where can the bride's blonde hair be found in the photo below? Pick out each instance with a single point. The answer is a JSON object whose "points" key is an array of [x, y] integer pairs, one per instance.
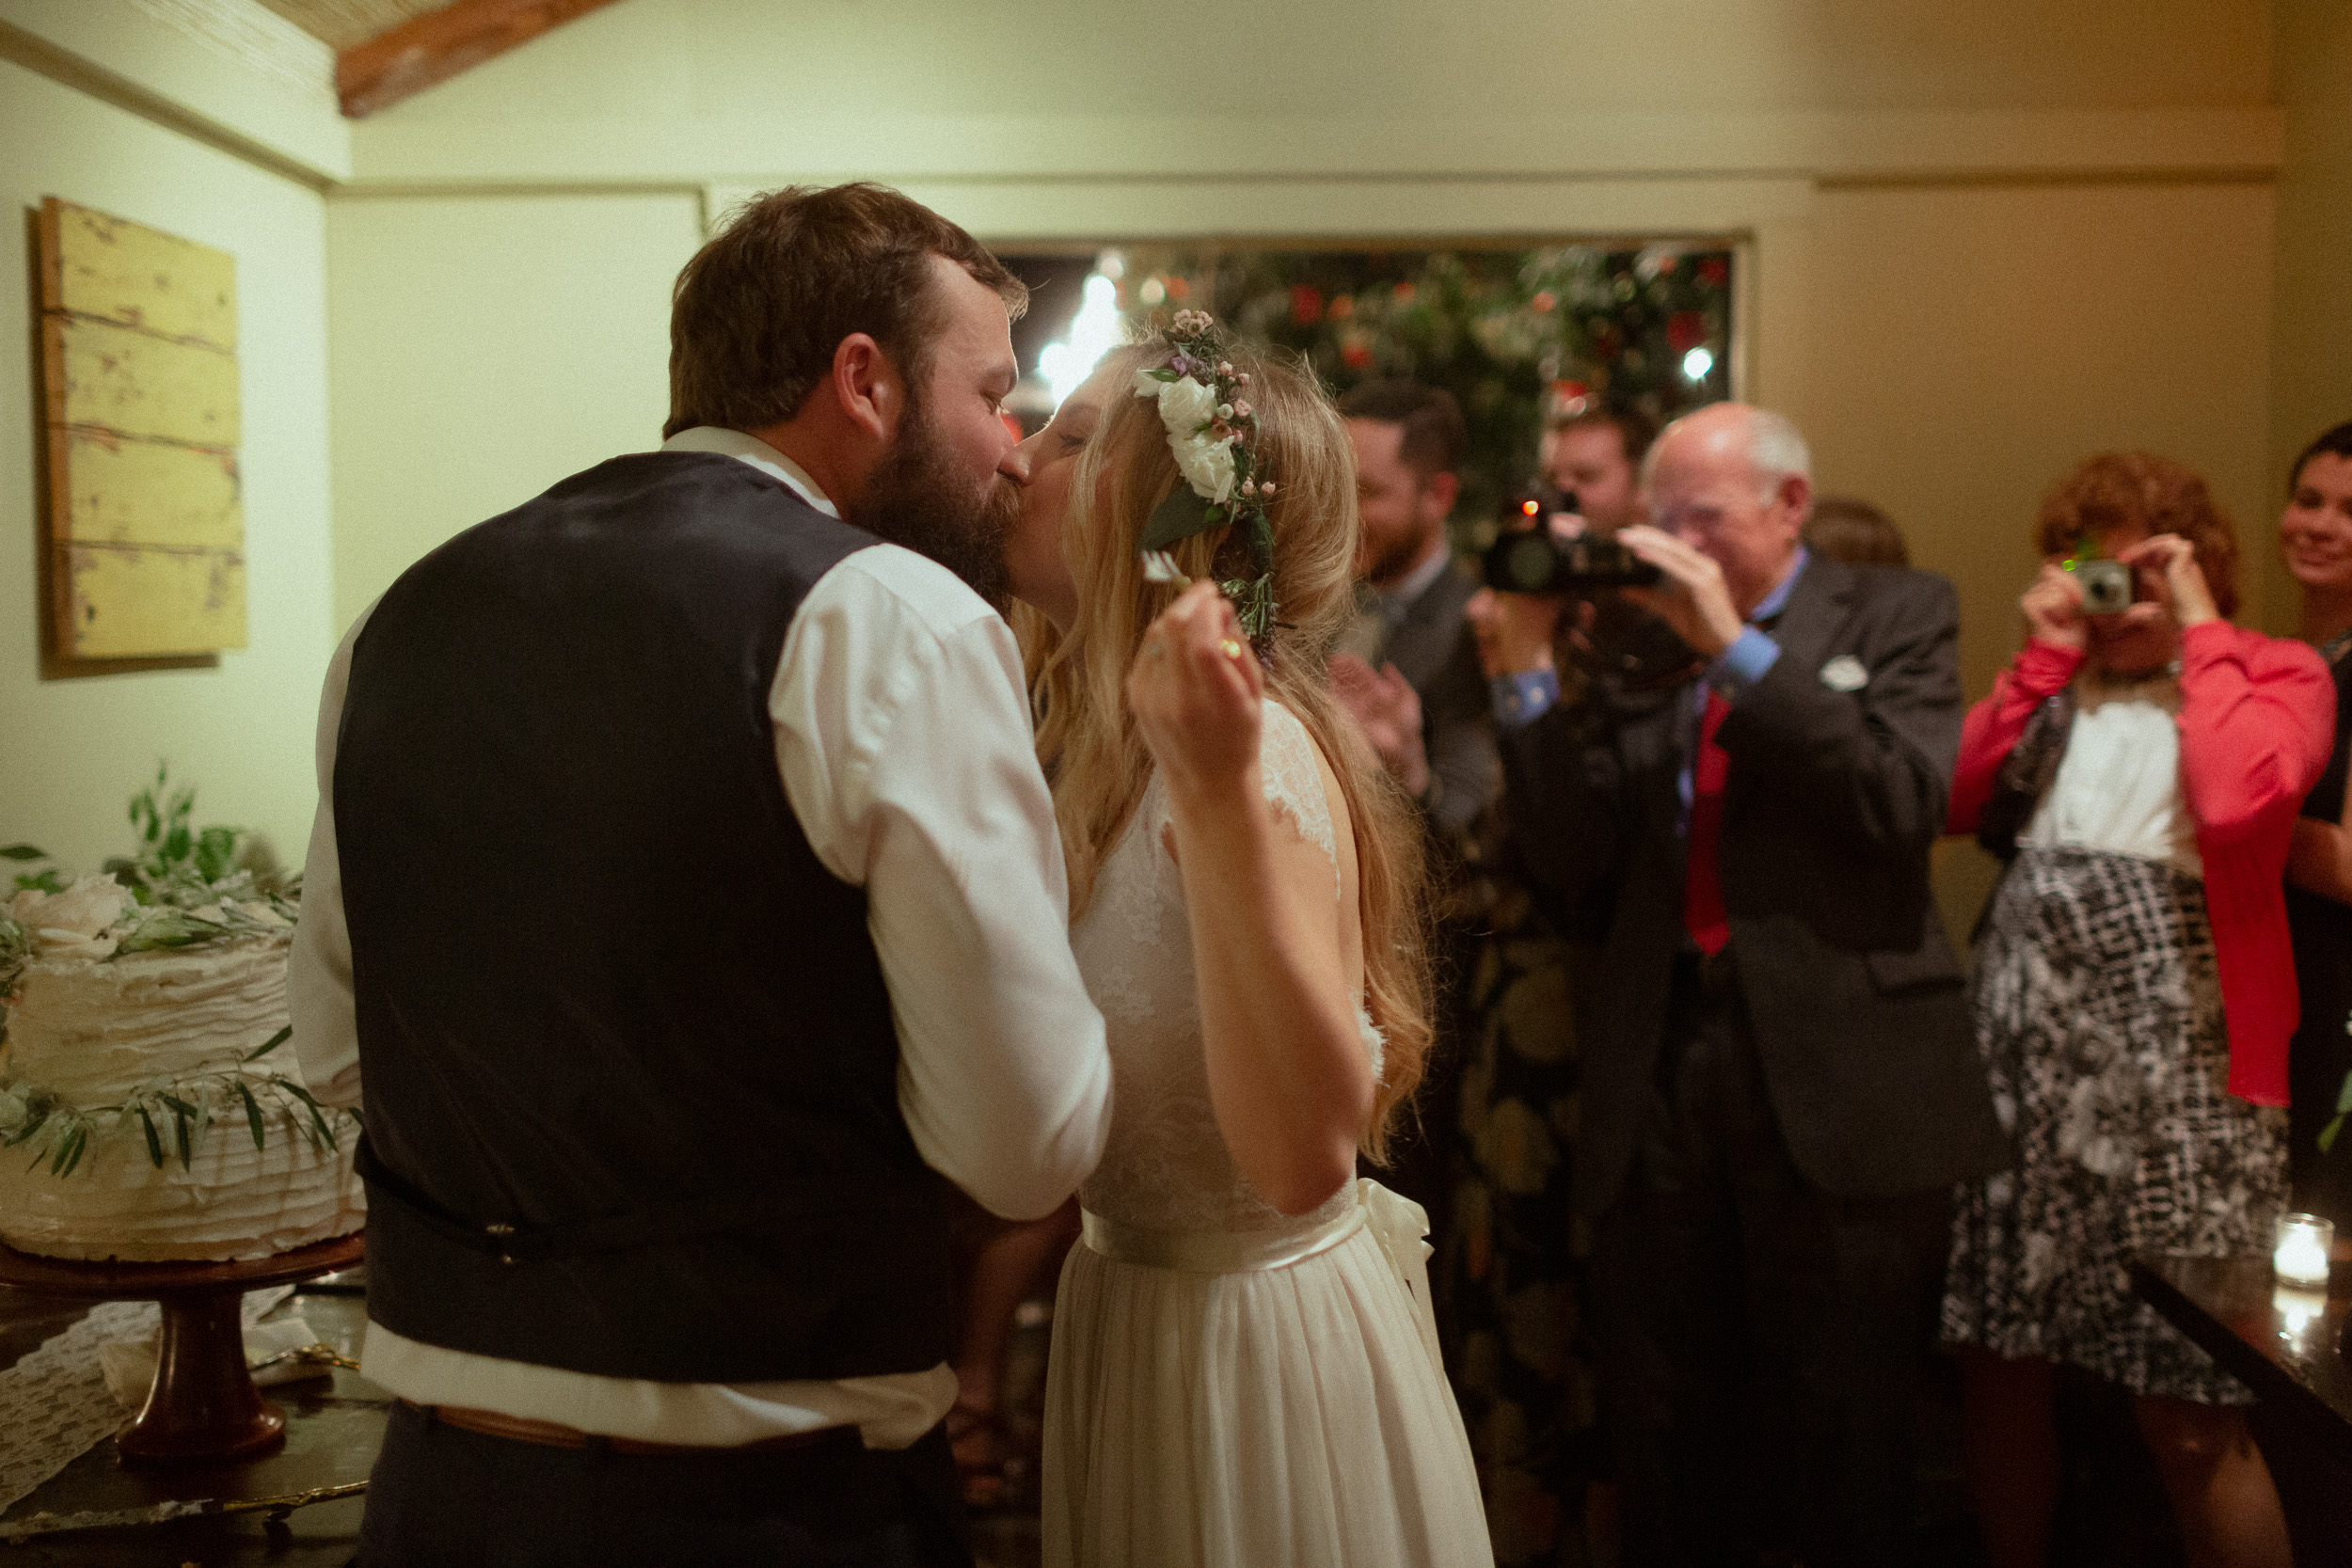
{"points": [[1087, 738]]}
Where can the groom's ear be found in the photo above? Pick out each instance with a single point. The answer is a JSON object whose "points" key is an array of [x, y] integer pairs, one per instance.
{"points": [[866, 385]]}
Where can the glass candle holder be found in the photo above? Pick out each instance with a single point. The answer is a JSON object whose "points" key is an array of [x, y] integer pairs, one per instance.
{"points": [[2301, 1256]]}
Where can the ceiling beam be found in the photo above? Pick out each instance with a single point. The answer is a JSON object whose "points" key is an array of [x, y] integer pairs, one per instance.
{"points": [[434, 46]]}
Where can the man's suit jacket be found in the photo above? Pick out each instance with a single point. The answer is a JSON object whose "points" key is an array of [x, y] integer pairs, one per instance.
{"points": [[1433, 649], [1835, 793]]}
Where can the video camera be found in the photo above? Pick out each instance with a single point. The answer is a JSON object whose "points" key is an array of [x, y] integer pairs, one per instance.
{"points": [[1606, 636], [1525, 560]]}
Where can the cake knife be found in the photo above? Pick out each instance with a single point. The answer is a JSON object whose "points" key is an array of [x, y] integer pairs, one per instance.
{"points": [[278, 1508]]}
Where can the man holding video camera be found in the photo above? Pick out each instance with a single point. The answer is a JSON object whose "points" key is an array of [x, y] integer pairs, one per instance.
{"points": [[1595, 455], [1781, 1083]]}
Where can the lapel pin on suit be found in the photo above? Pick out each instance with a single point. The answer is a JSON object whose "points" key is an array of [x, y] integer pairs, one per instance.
{"points": [[1845, 674]]}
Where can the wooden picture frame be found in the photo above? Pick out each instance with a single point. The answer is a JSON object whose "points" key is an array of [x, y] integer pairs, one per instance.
{"points": [[145, 514]]}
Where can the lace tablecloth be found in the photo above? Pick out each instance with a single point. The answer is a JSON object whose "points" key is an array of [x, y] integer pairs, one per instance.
{"points": [[54, 1404]]}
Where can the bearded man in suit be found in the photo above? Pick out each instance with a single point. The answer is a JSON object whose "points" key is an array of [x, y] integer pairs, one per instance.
{"points": [[1408, 668], [1781, 1083]]}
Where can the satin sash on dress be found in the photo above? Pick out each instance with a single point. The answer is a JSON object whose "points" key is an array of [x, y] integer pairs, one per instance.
{"points": [[1397, 1223]]}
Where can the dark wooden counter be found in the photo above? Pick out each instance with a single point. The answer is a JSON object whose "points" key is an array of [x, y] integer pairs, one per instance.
{"points": [[2234, 1311], [2294, 1360]]}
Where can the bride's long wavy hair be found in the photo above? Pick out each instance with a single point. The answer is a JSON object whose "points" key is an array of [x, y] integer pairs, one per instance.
{"points": [[1087, 738]]}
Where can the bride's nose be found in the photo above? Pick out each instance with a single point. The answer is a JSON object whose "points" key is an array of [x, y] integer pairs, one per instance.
{"points": [[1016, 464]]}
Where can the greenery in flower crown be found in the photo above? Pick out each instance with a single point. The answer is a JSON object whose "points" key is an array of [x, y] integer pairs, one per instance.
{"points": [[1213, 434], [60, 1132]]}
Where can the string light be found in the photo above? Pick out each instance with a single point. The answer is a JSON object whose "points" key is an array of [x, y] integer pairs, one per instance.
{"points": [[1065, 365]]}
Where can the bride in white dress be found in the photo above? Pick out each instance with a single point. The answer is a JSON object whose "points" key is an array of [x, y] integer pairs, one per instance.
{"points": [[1244, 1369]]}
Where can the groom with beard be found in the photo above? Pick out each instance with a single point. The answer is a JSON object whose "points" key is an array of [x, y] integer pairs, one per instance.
{"points": [[685, 895]]}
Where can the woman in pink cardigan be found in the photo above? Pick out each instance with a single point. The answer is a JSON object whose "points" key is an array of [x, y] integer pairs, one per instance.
{"points": [[2134, 995]]}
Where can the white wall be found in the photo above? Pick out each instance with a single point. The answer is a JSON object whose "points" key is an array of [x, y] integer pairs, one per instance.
{"points": [[72, 751], [482, 349], [2311, 326]]}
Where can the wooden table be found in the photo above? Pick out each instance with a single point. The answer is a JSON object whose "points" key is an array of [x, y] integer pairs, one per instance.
{"points": [[2290, 1350]]}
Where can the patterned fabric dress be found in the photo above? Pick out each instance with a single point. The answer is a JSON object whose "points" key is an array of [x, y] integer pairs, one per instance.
{"points": [[1510, 1272], [2099, 1013]]}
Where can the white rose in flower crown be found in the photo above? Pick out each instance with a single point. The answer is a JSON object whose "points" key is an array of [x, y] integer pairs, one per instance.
{"points": [[1185, 405]]}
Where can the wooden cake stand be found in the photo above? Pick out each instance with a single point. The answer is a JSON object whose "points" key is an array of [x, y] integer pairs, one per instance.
{"points": [[204, 1405]]}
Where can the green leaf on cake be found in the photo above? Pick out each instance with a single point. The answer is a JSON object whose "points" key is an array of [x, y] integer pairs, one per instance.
{"points": [[252, 1113], [215, 853], [22, 852], [68, 1152], [324, 1133], [269, 1045], [154, 1145]]}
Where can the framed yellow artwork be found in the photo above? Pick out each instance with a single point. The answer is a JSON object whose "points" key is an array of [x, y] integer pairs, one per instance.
{"points": [[145, 514]]}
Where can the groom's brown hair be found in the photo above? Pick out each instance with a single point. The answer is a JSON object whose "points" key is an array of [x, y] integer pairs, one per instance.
{"points": [[758, 312]]}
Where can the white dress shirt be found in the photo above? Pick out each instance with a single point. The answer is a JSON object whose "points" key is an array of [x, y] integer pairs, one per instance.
{"points": [[903, 740]]}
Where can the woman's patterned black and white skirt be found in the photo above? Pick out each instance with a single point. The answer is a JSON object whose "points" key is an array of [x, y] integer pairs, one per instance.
{"points": [[2099, 1014]]}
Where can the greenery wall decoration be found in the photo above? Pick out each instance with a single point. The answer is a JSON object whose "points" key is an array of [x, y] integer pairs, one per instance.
{"points": [[1515, 335]]}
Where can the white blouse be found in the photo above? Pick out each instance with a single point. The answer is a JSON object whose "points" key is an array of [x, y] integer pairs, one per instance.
{"points": [[2118, 786]]}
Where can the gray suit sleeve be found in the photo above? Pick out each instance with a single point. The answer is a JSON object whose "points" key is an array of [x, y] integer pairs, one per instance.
{"points": [[1457, 729]]}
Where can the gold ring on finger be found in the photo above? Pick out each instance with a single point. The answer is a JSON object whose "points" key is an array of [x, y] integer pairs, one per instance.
{"points": [[1229, 648]]}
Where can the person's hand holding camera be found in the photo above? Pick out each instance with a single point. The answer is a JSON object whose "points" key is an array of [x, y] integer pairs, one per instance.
{"points": [[1514, 631], [1694, 600], [2179, 581], [2054, 608]]}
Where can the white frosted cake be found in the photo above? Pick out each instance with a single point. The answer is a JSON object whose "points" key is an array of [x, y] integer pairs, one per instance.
{"points": [[140, 1124]]}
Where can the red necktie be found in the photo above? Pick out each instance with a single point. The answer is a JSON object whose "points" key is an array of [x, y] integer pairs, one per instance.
{"points": [[1701, 890]]}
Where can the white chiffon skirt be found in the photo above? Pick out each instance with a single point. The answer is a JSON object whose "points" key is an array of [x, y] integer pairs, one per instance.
{"points": [[1282, 1416]]}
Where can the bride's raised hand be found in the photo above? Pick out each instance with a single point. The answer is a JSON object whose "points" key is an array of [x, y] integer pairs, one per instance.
{"points": [[1195, 689]]}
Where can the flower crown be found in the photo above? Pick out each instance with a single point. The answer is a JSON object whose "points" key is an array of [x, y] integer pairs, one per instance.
{"points": [[1214, 432]]}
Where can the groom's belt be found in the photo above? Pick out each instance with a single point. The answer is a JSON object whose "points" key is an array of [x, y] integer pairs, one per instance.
{"points": [[551, 1434]]}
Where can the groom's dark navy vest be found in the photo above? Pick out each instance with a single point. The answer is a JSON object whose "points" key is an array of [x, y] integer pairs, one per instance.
{"points": [[632, 1083]]}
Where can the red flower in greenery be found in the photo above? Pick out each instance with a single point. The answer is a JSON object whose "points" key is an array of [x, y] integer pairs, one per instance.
{"points": [[1685, 331], [1714, 271], [1356, 356], [1306, 304]]}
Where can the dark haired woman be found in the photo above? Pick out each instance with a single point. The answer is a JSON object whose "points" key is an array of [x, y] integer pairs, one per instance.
{"points": [[2315, 537], [2134, 995]]}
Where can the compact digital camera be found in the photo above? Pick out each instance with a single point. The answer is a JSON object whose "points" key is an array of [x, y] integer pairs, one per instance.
{"points": [[2106, 586], [1534, 560]]}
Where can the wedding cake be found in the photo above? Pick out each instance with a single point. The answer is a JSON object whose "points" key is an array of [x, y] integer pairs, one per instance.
{"points": [[148, 1108]]}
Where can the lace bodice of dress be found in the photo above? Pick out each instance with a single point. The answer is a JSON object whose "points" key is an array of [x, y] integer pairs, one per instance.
{"points": [[1166, 1167]]}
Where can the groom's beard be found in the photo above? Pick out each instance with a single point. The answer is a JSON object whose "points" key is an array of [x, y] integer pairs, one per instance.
{"points": [[916, 498]]}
